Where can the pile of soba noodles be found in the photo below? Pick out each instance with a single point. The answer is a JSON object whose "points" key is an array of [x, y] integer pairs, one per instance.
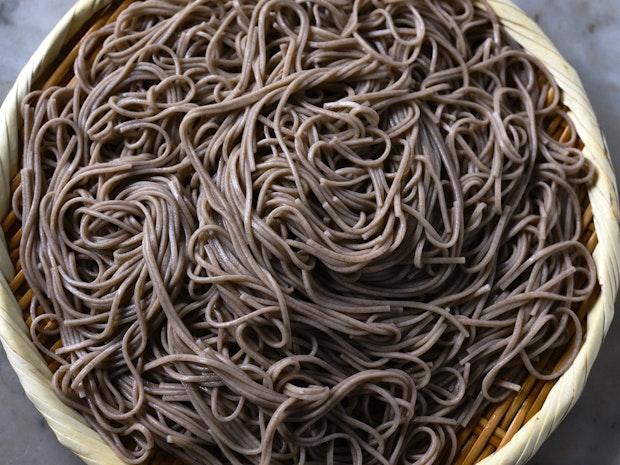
{"points": [[295, 232]]}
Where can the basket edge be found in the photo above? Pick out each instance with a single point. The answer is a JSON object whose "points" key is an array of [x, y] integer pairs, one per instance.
{"points": [[605, 207], [69, 427]]}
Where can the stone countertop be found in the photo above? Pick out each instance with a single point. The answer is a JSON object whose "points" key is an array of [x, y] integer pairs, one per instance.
{"points": [[586, 32]]}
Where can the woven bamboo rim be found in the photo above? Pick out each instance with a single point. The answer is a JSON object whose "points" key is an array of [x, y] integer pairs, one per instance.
{"points": [[507, 433]]}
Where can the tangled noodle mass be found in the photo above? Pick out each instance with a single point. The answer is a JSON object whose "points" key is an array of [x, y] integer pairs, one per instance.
{"points": [[300, 232]]}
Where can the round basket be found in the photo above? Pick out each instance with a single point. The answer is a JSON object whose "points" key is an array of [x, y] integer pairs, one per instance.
{"points": [[507, 433]]}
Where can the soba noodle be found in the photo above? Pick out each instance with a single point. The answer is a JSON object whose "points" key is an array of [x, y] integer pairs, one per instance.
{"points": [[300, 232]]}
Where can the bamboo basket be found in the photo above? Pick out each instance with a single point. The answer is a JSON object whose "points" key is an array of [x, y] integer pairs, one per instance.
{"points": [[507, 433]]}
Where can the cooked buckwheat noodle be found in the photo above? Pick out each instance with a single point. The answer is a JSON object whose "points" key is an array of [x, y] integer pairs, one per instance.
{"points": [[300, 232]]}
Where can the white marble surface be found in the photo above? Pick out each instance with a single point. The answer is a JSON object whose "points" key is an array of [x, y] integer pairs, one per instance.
{"points": [[587, 33]]}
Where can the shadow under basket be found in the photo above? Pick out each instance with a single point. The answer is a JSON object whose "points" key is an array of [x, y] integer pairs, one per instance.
{"points": [[494, 427]]}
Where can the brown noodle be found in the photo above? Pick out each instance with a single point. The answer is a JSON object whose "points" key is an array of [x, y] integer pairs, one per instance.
{"points": [[300, 232]]}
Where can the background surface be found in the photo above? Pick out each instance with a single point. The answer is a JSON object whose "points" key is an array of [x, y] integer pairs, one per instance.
{"points": [[588, 35]]}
